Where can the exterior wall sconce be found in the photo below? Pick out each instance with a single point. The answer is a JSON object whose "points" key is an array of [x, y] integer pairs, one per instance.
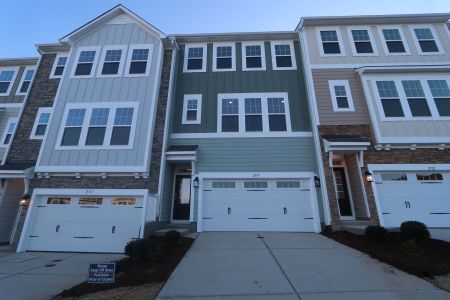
{"points": [[25, 201], [369, 176], [196, 182], [317, 181]]}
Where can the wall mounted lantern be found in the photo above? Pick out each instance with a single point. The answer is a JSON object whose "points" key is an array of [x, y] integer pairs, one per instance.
{"points": [[317, 181], [369, 176], [196, 182], [25, 200]]}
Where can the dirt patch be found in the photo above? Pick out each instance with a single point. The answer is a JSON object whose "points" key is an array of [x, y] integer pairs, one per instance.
{"points": [[138, 278], [434, 262]]}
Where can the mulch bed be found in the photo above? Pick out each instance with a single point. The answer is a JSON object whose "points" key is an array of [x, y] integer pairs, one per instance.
{"points": [[436, 260], [135, 273]]}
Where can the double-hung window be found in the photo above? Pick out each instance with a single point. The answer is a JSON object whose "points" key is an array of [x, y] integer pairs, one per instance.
{"points": [[73, 127], [192, 109], [26, 81], [139, 58], [59, 66], [41, 123], [283, 55], [86, 61], [277, 114], [441, 95], [362, 42], [390, 100], [9, 131], [417, 101], [224, 58], [230, 115], [6, 81], [253, 114], [195, 58], [111, 64], [330, 42], [394, 41], [341, 96], [253, 56], [122, 126], [97, 127], [426, 41]]}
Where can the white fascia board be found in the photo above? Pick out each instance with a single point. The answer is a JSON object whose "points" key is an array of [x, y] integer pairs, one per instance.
{"points": [[90, 169], [408, 167], [255, 175]]}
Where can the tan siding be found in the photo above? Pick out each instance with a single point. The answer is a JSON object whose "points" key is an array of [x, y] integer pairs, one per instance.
{"points": [[324, 104]]}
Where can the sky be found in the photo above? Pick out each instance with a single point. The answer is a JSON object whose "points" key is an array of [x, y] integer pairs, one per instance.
{"points": [[24, 23]]}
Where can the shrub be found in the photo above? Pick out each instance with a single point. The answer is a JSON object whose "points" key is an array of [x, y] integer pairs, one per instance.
{"points": [[375, 232], [142, 249], [414, 230], [172, 237], [412, 248]]}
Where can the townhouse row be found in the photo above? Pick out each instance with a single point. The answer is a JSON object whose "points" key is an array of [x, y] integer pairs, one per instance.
{"points": [[119, 129]]}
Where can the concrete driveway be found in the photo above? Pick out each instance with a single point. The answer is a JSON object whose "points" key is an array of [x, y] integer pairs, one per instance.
{"points": [[244, 265], [42, 275]]}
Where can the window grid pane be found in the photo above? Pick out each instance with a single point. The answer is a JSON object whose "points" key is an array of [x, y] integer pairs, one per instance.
{"points": [[329, 36], [413, 88], [75, 117], [113, 55], [62, 61], [276, 105], [192, 104], [86, 56], [140, 55], [224, 51], [392, 35], [29, 75], [230, 107], [124, 116], [282, 50], [44, 118], [99, 116], [339, 90], [360, 35], [253, 106], [439, 88], [424, 34], [6, 75], [387, 89], [253, 50], [195, 52]]}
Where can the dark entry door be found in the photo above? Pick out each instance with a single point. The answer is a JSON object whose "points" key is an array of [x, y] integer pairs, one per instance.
{"points": [[182, 198], [345, 207]]}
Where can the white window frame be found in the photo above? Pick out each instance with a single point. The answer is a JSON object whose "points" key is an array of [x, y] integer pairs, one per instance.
{"points": [[241, 114], [402, 36], [5, 132], [13, 79], [233, 56], [109, 127], [18, 93], [41, 110], [352, 41], [345, 83], [435, 36], [244, 56], [121, 62], [403, 99], [293, 58], [340, 41], [197, 97], [130, 54], [94, 63], [58, 55], [204, 59]]}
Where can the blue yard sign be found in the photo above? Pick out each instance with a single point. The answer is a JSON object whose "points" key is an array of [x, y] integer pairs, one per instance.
{"points": [[102, 273]]}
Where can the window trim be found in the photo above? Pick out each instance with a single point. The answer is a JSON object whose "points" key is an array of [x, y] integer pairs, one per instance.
{"points": [[402, 36], [233, 57], [345, 83], [41, 110], [5, 132], [371, 37], [187, 97], [13, 79], [241, 114], [58, 55], [244, 55], [130, 54], [293, 57], [204, 58], [121, 62], [109, 127], [94, 63], [435, 36], [18, 93], [340, 40]]}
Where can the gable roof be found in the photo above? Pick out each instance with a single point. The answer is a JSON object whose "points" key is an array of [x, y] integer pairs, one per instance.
{"points": [[107, 16]]}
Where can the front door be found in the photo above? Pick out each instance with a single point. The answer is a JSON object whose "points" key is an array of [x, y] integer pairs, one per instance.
{"points": [[340, 183], [182, 198]]}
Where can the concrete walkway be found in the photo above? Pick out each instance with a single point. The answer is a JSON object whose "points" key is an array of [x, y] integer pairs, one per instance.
{"points": [[42, 275], [244, 265]]}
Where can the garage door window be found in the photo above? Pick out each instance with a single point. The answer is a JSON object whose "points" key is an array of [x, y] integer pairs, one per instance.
{"points": [[429, 177], [58, 200], [123, 201], [288, 184], [393, 177], [90, 201], [223, 185], [255, 185]]}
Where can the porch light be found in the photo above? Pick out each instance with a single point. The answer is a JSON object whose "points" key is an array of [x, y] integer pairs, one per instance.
{"points": [[369, 176], [317, 181], [196, 182], [25, 200]]}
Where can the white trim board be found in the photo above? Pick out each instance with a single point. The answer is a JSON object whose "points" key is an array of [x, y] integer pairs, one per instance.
{"points": [[186, 98], [233, 56], [244, 55], [293, 58], [206, 135]]}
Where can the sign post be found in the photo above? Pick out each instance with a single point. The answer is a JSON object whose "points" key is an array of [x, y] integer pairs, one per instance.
{"points": [[102, 273]]}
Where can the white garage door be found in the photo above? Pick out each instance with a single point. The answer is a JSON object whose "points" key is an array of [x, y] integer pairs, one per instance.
{"points": [[418, 196], [84, 224], [257, 205]]}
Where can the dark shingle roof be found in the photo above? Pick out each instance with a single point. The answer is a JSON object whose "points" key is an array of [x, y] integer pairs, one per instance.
{"points": [[345, 138], [182, 148]]}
